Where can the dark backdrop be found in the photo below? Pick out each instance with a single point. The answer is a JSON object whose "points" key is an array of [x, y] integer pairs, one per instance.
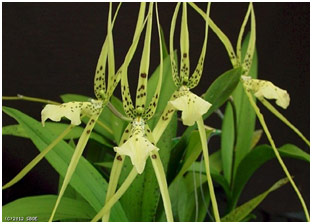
{"points": [[52, 48]]}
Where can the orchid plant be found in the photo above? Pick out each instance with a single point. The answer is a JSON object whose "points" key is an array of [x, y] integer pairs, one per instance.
{"points": [[148, 159]]}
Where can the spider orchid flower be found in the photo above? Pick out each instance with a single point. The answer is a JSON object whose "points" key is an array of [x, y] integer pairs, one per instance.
{"points": [[266, 89], [93, 109], [137, 141], [191, 105], [137, 147]]}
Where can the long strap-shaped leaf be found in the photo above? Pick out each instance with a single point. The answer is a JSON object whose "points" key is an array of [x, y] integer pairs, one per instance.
{"points": [[75, 159], [224, 39], [107, 50], [280, 160], [145, 61], [284, 119], [241, 33], [194, 80], [149, 112], [125, 91], [115, 172], [202, 133], [37, 159], [174, 67], [125, 185], [184, 46]]}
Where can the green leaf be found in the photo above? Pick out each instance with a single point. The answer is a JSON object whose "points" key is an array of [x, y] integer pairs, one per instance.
{"points": [[57, 129], [227, 142], [246, 117], [41, 207], [86, 180], [242, 211], [256, 158]]}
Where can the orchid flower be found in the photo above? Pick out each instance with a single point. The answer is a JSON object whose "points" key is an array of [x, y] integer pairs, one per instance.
{"points": [[73, 110], [191, 105], [137, 141], [259, 88]]}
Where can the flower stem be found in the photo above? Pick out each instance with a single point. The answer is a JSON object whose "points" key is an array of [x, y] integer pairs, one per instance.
{"points": [[37, 159], [161, 178], [202, 133], [117, 195], [268, 134], [28, 98], [117, 113], [75, 159], [283, 119]]}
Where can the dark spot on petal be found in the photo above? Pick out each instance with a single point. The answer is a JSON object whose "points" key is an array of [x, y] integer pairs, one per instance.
{"points": [[154, 156], [119, 158], [143, 75]]}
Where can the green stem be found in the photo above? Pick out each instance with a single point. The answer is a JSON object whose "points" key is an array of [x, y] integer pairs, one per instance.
{"points": [[117, 195], [75, 159], [117, 113], [161, 178], [28, 98], [283, 119], [202, 133], [268, 134], [37, 159]]}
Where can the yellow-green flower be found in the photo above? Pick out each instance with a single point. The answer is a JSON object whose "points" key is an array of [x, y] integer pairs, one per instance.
{"points": [[191, 105], [137, 147], [71, 110], [266, 89]]}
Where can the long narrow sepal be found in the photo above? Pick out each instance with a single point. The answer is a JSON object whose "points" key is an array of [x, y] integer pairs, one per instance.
{"points": [[174, 67], [125, 91], [107, 51], [162, 182], [145, 61], [165, 118], [37, 159], [115, 173], [125, 185], [280, 160], [246, 64], [224, 39], [241, 33], [283, 119], [149, 112], [75, 159], [184, 47], [202, 133], [194, 79]]}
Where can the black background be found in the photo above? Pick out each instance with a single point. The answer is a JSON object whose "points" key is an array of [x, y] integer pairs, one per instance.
{"points": [[52, 48]]}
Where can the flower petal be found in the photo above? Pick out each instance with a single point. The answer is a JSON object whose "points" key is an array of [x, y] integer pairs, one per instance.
{"points": [[137, 148], [71, 110], [263, 88], [192, 107]]}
